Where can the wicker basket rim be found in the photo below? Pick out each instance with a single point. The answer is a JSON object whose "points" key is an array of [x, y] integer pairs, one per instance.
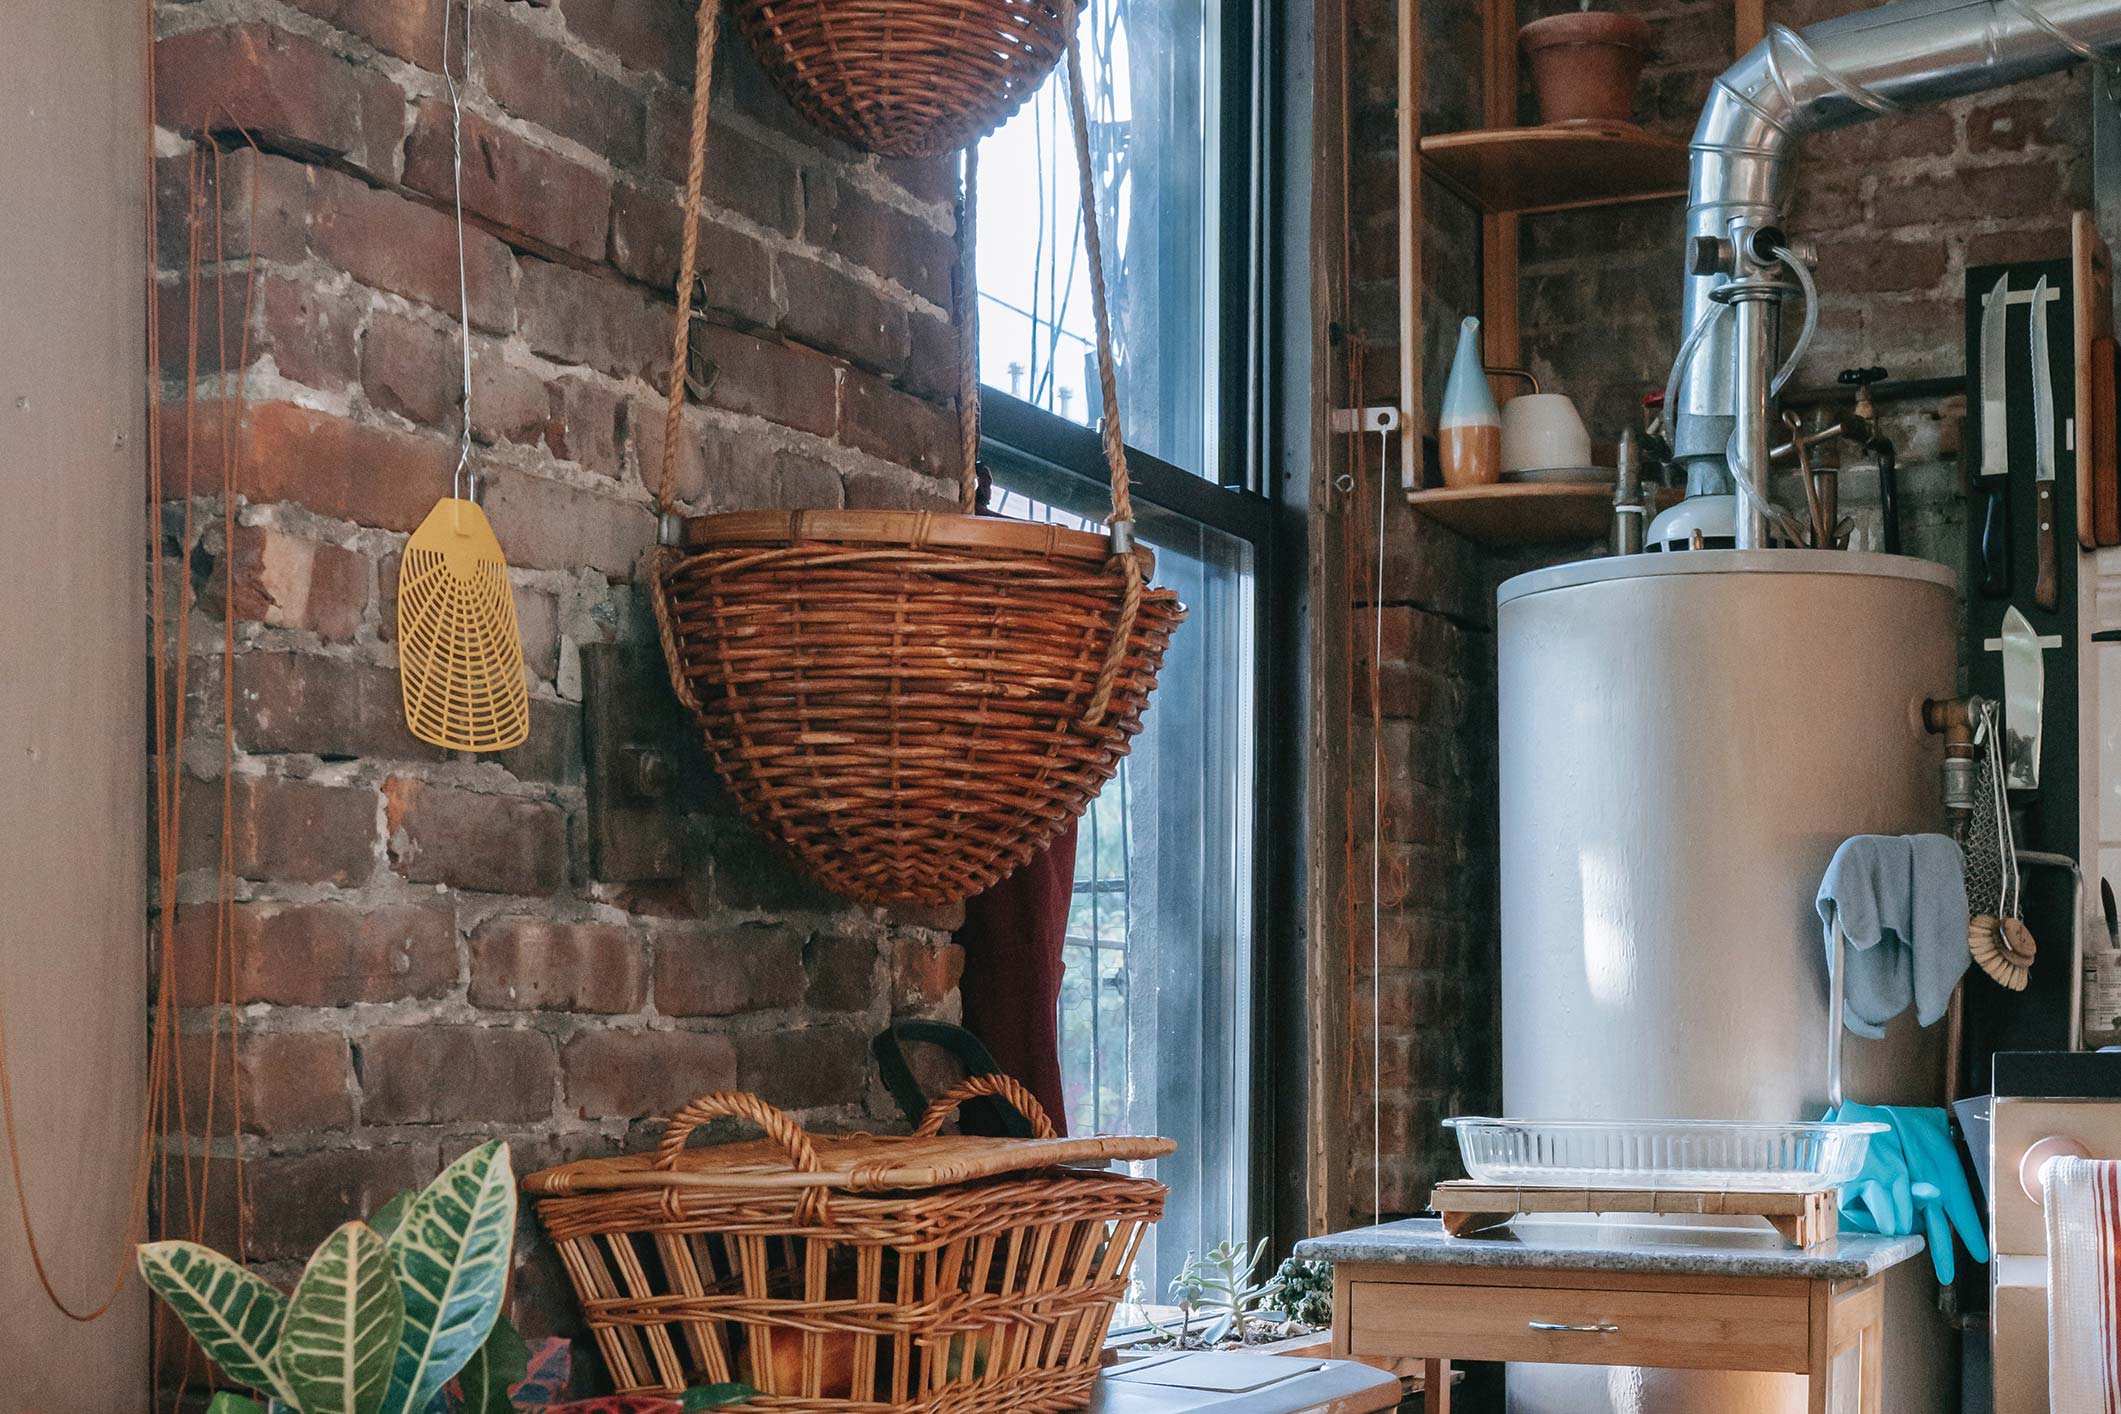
{"points": [[919, 529], [851, 1163]]}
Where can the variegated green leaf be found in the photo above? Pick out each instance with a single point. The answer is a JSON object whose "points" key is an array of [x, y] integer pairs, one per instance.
{"points": [[451, 1249], [342, 1327], [228, 1402], [233, 1314], [385, 1219], [496, 1366]]}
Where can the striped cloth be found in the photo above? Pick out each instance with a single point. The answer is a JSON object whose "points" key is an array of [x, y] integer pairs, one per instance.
{"points": [[2083, 1286]]}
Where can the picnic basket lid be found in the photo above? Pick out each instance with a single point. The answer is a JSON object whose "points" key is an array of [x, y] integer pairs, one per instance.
{"points": [[791, 1158]]}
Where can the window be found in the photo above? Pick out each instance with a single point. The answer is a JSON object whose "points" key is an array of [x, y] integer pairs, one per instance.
{"points": [[1157, 1005], [1154, 151]]}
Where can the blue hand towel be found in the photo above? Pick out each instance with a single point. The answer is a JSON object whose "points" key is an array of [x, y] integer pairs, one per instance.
{"points": [[1901, 900]]}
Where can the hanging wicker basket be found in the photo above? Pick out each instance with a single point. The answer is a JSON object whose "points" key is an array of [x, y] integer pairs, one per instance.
{"points": [[912, 703], [902, 698], [905, 78], [855, 1274]]}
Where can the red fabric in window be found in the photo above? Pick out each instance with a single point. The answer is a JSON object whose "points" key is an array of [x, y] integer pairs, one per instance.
{"points": [[1012, 937]]}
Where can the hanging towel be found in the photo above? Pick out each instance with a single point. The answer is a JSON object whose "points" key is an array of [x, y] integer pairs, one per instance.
{"points": [[1901, 902], [2083, 1198]]}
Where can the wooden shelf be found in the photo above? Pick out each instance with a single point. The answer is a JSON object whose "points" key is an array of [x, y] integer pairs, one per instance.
{"points": [[1525, 513], [1558, 168]]}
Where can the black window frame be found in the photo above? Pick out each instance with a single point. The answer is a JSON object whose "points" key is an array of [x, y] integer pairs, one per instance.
{"points": [[1259, 170]]}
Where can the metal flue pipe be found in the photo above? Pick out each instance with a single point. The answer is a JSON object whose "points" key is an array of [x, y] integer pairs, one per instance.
{"points": [[1871, 64]]}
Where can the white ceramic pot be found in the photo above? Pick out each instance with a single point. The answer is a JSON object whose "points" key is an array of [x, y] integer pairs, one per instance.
{"points": [[1542, 431]]}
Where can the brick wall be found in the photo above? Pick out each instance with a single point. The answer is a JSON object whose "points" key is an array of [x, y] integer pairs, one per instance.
{"points": [[1898, 209], [421, 951]]}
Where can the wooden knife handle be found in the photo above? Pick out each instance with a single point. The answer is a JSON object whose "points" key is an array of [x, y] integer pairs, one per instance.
{"points": [[2046, 589]]}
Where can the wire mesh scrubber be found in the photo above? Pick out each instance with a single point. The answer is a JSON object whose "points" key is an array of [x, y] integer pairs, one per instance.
{"points": [[460, 652], [2001, 944]]}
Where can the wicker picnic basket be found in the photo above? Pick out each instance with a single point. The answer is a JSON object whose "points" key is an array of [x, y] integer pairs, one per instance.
{"points": [[911, 703], [855, 1274], [906, 78]]}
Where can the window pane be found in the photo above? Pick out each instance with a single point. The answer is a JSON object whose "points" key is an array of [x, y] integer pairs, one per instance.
{"points": [[1156, 999], [1147, 65]]}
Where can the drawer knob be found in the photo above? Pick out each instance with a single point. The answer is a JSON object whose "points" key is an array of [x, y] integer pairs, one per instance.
{"points": [[2032, 1175], [1602, 1328]]}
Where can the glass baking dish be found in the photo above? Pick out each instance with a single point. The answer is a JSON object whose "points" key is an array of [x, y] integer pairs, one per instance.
{"points": [[1662, 1153]]}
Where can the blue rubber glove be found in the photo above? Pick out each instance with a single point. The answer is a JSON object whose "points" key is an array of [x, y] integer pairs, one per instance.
{"points": [[1912, 1171]]}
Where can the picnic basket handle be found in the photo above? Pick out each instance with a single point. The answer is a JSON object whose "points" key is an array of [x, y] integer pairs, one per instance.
{"points": [[742, 1104], [1000, 1087]]}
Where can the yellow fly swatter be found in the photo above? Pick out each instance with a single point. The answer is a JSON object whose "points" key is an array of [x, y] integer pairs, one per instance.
{"points": [[460, 654]]}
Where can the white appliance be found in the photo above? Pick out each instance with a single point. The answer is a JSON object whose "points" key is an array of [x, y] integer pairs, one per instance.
{"points": [[1684, 741]]}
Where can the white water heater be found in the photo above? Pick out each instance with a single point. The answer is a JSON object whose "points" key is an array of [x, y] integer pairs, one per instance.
{"points": [[1685, 739]]}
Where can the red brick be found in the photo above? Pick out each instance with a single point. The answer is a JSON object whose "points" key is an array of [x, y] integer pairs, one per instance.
{"points": [[895, 244], [572, 316], [548, 525], [491, 843], [532, 194], [453, 1074], [330, 707], [405, 29], [2045, 241], [717, 468], [285, 581], [923, 973], [284, 90], [295, 1201], [389, 241], [539, 79], [831, 310], [586, 423], [639, 1073], [308, 332], [410, 367], [377, 476], [319, 954], [263, 200], [1966, 194], [641, 34], [804, 1069], [283, 829], [843, 971], [285, 1082], [509, 403], [900, 490], [757, 967], [806, 482], [766, 378], [879, 419], [645, 240], [930, 369], [1873, 264], [538, 624], [2028, 120], [534, 964], [756, 181]]}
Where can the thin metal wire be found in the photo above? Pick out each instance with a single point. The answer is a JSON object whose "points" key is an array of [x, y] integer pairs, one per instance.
{"points": [[1377, 849], [464, 478]]}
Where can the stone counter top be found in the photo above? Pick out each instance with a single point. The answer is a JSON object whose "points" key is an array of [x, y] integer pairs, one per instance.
{"points": [[1668, 1249]]}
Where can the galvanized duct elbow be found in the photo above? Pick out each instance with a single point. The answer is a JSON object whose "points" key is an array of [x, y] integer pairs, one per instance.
{"points": [[1871, 64]]}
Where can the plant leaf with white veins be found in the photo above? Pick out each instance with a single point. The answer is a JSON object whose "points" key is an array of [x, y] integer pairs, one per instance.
{"points": [[451, 1250], [234, 1314], [342, 1326]]}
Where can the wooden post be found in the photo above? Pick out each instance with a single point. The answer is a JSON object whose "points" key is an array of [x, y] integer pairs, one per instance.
{"points": [[1751, 23], [1412, 415], [1499, 234]]}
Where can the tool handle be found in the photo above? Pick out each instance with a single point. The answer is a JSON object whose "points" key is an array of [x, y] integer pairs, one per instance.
{"points": [[1996, 543], [2046, 590]]}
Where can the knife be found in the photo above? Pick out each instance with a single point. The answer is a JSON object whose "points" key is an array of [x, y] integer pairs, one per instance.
{"points": [[1995, 568], [2046, 591], [2024, 700]]}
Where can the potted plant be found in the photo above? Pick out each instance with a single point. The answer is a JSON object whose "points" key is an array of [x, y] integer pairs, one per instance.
{"points": [[397, 1315], [1585, 64]]}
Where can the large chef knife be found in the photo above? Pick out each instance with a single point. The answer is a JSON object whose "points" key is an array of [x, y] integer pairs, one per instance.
{"points": [[2046, 591], [2024, 699], [1995, 567]]}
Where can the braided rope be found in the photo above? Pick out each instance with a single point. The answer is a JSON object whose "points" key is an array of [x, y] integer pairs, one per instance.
{"points": [[1093, 249], [781, 1129], [709, 18]]}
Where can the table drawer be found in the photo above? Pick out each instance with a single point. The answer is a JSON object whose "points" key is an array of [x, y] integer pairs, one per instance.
{"points": [[1680, 1330]]}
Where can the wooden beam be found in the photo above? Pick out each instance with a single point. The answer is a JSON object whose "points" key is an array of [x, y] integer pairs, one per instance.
{"points": [[1502, 344], [1412, 415], [1751, 22]]}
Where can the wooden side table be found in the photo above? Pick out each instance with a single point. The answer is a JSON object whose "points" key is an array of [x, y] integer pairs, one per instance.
{"points": [[1672, 1298]]}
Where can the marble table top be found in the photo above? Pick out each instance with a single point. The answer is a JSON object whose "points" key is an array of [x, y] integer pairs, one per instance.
{"points": [[1575, 1244]]}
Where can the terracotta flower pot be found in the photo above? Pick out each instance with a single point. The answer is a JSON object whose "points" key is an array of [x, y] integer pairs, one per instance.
{"points": [[1585, 64]]}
